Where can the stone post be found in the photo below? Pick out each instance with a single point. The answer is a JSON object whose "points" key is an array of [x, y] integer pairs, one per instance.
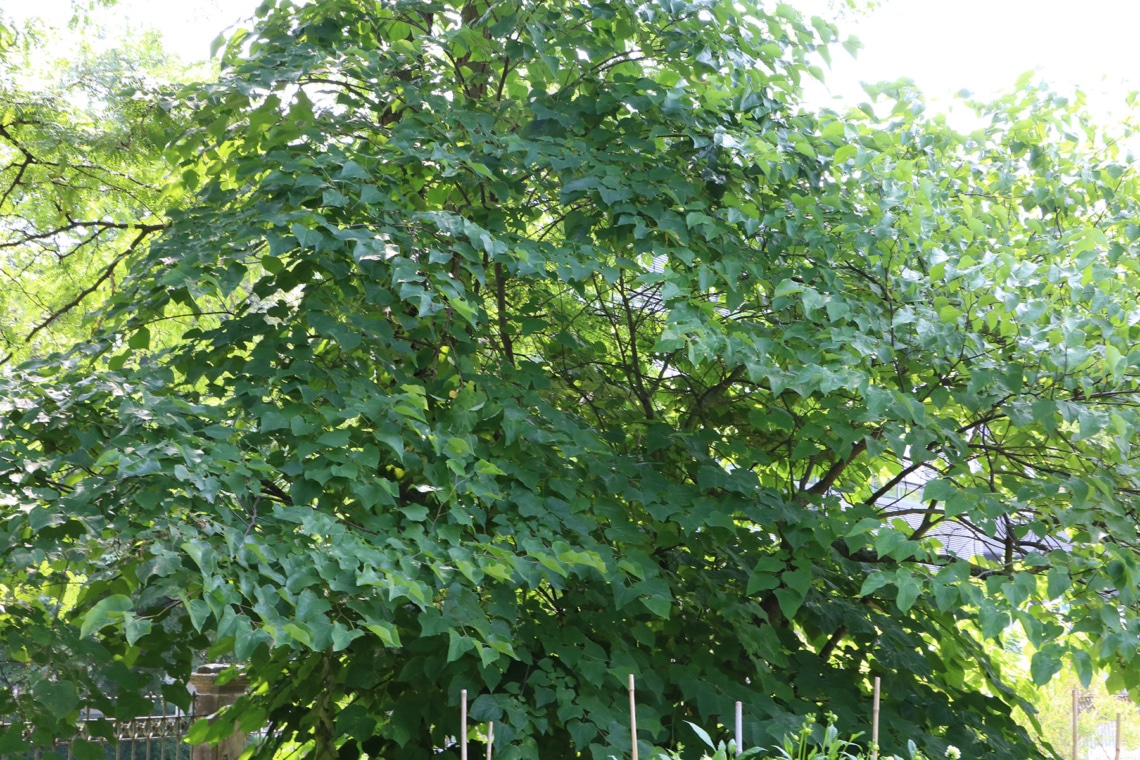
{"points": [[209, 697]]}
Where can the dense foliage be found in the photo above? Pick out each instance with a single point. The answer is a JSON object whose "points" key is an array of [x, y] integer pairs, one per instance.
{"points": [[519, 346]]}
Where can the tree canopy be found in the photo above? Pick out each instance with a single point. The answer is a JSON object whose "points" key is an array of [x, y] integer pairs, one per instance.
{"points": [[520, 346]]}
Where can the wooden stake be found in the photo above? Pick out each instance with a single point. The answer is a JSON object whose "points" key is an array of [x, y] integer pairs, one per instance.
{"points": [[463, 724], [632, 716], [740, 728], [490, 738], [1118, 736], [1075, 731], [875, 722]]}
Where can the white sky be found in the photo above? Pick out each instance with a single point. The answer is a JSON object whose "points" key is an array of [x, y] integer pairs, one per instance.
{"points": [[983, 45], [188, 26], [944, 45]]}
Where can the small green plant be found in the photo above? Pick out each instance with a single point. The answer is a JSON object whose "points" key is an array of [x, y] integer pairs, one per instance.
{"points": [[798, 746], [721, 750], [801, 745]]}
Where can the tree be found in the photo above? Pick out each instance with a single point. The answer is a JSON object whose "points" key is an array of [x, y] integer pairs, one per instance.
{"points": [[82, 177], [518, 347]]}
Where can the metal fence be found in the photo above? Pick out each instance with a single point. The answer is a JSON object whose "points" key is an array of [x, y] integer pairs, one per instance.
{"points": [[155, 737]]}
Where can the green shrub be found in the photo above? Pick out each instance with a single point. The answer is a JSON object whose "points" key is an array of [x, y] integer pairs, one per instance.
{"points": [[806, 744]]}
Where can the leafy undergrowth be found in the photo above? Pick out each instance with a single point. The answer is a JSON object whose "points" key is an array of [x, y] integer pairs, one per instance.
{"points": [[810, 743]]}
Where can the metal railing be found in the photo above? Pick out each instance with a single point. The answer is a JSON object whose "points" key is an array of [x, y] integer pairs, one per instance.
{"points": [[154, 737]]}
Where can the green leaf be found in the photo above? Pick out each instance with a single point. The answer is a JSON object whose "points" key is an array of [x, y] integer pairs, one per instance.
{"points": [[140, 339], [1043, 666], [84, 749], [866, 525], [217, 44], [939, 490], [874, 582], [701, 734], [949, 314], [485, 708], [134, 628], [1058, 582], [12, 739], [789, 600], [107, 611], [759, 581], [387, 633], [458, 645], [659, 605], [353, 170], [993, 621], [58, 696], [908, 587], [415, 512], [393, 441], [1083, 664], [946, 596]]}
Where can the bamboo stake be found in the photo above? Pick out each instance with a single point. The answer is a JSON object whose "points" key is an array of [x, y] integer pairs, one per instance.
{"points": [[463, 724], [490, 738], [632, 716], [875, 722], [1118, 736], [740, 728], [1075, 734]]}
